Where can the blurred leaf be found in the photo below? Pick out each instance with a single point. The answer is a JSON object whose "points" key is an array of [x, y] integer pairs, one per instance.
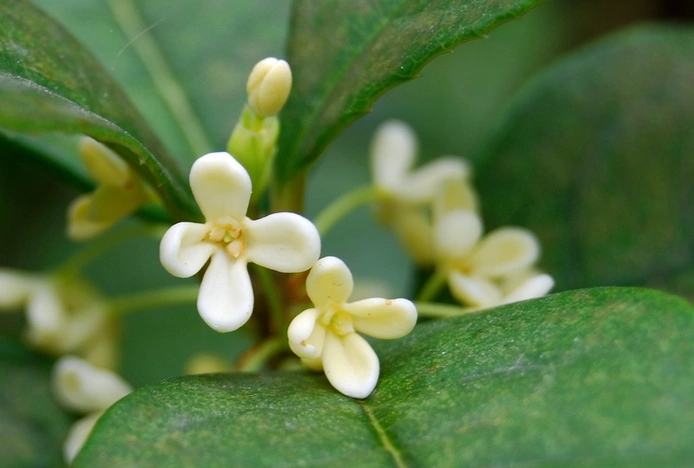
{"points": [[32, 426], [583, 378], [345, 54], [212, 78], [597, 157], [50, 82]]}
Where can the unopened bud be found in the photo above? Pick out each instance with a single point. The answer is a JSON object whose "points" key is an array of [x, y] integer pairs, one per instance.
{"points": [[268, 86]]}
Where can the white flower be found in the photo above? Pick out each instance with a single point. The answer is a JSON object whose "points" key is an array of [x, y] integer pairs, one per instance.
{"points": [[83, 388], [285, 242], [325, 335], [120, 192], [64, 315], [407, 193], [490, 270]]}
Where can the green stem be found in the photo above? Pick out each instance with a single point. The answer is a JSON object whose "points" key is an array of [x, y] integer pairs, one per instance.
{"points": [[256, 358], [174, 95], [96, 248], [279, 321], [176, 295], [344, 205], [432, 287], [435, 310]]}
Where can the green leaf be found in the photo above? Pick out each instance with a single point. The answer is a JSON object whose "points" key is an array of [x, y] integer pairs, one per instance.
{"points": [[32, 426], [51, 83], [597, 157], [345, 54], [583, 378]]}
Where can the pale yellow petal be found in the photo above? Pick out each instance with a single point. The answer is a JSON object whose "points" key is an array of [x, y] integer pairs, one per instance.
{"points": [[504, 251], [474, 291], [79, 386], [383, 318], [329, 281], [350, 364]]}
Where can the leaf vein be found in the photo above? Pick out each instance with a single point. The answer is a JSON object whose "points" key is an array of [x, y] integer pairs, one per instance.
{"points": [[383, 436]]}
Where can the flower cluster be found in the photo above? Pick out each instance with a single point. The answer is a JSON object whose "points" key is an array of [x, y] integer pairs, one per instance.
{"points": [[64, 315], [435, 213]]}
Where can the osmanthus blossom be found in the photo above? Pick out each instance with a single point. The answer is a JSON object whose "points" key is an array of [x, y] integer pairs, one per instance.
{"points": [[63, 315], [285, 242], [325, 336], [120, 191], [407, 193], [86, 389], [489, 270]]}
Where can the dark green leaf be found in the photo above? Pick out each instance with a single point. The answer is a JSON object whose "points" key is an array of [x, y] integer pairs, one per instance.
{"points": [[50, 82], [600, 377], [345, 54], [32, 426], [597, 157]]}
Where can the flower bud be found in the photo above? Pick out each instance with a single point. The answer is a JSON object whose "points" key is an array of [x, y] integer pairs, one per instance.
{"points": [[252, 143], [268, 86]]}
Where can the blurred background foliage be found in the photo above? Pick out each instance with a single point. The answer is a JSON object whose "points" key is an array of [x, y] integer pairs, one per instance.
{"points": [[211, 47]]}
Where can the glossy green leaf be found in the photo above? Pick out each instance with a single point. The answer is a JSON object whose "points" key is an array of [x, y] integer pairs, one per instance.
{"points": [[597, 157], [345, 54], [32, 426], [51, 83], [600, 377]]}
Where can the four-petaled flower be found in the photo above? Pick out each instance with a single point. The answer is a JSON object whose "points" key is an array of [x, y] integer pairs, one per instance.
{"points": [[325, 335], [490, 270], [285, 242]]}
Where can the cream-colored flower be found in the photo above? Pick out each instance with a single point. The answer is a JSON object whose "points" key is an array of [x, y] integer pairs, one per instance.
{"points": [[64, 315], [407, 194], [119, 192], [485, 271], [285, 242], [86, 389], [325, 336]]}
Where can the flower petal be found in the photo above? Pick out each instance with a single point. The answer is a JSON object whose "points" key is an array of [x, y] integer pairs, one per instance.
{"points": [[102, 163], [453, 195], [329, 281], [383, 318], [504, 251], [350, 364], [393, 150], [225, 300], [532, 287], [46, 316], [221, 186], [414, 231], [79, 224], [77, 436], [422, 184], [474, 291], [456, 234], [182, 250], [285, 242], [306, 335], [15, 288], [81, 387]]}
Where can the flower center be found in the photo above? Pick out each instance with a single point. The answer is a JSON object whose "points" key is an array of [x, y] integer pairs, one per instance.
{"points": [[339, 321], [227, 232]]}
